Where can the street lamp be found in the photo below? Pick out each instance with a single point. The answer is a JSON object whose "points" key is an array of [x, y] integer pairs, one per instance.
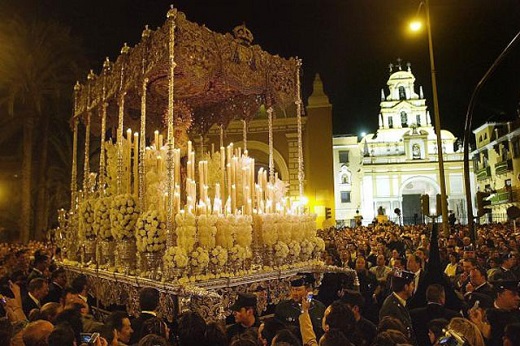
{"points": [[415, 26]]}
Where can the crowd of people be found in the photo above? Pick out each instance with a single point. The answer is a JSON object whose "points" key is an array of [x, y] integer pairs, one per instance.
{"points": [[414, 286]]}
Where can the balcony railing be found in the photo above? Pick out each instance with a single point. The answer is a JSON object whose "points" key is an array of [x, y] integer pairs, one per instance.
{"points": [[504, 167], [484, 173]]}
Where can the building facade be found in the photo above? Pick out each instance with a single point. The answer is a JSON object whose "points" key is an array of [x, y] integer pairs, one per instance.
{"points": [[391, 168], [496, 162]]}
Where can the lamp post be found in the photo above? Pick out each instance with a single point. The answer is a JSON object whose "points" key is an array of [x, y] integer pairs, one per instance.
{"points": [[442, 180]]}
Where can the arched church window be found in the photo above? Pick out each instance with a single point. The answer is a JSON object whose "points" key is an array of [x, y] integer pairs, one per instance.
{"points": [[402, 93], [404, 119], [390, 122], [416, 151]]}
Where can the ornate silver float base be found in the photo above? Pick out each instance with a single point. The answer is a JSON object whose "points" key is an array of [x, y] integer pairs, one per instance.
{"points": [[89, 252], [127, 255], [151, 265], [107, 253]]}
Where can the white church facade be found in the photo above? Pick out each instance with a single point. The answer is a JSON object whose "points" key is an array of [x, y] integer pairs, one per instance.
{"points": [[392, 167]]}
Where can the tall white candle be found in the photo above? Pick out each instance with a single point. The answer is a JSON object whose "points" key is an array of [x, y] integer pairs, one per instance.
{"points": [[136, 163]]}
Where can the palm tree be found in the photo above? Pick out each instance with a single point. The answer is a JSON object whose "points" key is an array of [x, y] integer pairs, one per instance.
{"points": [[38, 64]]}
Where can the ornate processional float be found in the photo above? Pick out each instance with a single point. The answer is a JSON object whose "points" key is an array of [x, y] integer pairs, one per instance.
{"points": [[161, 211]]}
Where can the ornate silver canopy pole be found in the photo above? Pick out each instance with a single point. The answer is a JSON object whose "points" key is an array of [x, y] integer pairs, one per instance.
{"points": [[86, 162], [104, 105], [172, 15], [271, 148], [74, 170], [142, 137], [120, 120], [301, 173]]}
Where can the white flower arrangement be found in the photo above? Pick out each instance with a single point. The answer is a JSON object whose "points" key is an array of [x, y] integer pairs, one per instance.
{"points": [[308, 223], [199, 259], [186, 230], [306, 248], [281, 250], [86, 219], [269, 232], [243, 230], [284, 231], [237, 253], [102, 226], [296, 226], [294, 248], [219, 256], [225, 232], [123, 216], [175, 257], [207, 230], [150, 232], [319, 243]]}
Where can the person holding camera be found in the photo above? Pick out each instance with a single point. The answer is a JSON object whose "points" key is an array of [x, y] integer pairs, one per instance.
{"points": [[288, 311]]}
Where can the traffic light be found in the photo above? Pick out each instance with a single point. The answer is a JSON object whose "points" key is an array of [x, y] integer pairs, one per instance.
{"points": [[482, 203], [328, 213], [425, 205]]}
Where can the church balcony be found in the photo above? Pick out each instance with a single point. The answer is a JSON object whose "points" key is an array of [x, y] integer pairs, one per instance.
{"points": [[484, 173], [504, 167]]}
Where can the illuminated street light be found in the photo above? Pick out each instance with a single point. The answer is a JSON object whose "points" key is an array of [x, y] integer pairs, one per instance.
{"points": [[416, 25], [442, 182]]}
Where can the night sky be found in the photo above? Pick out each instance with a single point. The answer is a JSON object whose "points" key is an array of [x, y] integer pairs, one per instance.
{"points": [[349, 42]]}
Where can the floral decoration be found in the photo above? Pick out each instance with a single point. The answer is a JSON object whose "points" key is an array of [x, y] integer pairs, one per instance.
{"points": [[225, 232], [243, 230], [319, 243], [237, 253], [150, 232], [86, 219], [199, 259], [281, 250], [306, 248], [206, 229], [269, 232], [123, 216], [175, 257], [186, 230], [102, 226], [294, 248], [218, 256]]}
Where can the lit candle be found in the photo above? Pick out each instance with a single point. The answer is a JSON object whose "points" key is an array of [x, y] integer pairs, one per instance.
{"points": [[201, 179], [156, 139], [136, 163], [160, 141], [129, 161], [177, 156], [233, 198], [189, 147]]}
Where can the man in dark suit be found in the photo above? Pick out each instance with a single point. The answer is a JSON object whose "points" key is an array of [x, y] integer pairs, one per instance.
{"points": [[58, 282], [479, 289], [148, 303], [40, 266], [421, 317], [402, 285], [414, 265], [37, 290]]}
